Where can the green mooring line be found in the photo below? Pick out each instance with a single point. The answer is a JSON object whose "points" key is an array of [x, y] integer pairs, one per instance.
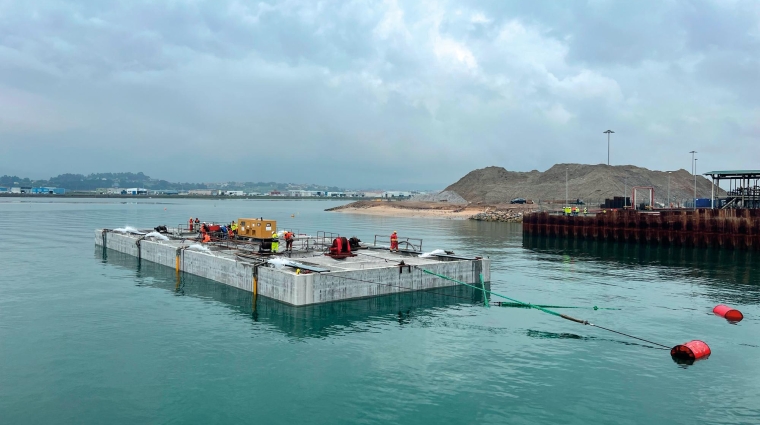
{"points": [[494, 293], [515, 303], [485, 297], [518, 305], [537, 307]]}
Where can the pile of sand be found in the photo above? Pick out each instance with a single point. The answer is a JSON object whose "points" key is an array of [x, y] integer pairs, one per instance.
{"points": [[444, 196], [591, 183]]}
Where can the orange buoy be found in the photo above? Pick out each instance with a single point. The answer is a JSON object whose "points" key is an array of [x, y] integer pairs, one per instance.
{"points": [[690, 351], [728, 313]]}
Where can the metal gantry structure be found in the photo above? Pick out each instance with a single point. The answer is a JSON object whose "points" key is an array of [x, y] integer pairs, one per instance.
{"points": [[743, 190]]}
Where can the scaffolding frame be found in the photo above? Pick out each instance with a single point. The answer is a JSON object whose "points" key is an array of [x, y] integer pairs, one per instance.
{"points": [[636, 189]]}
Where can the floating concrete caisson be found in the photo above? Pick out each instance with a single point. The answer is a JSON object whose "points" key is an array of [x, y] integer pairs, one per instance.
{"points": [[367, 275]]}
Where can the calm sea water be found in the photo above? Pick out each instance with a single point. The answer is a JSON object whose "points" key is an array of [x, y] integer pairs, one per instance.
{"points": [[88, 338]]}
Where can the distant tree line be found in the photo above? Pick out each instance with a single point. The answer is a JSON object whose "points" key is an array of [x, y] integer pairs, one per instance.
{"points": [[96, 181]]}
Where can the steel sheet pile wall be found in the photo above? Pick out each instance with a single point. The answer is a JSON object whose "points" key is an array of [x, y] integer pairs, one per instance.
{"points": [[733, 229]]}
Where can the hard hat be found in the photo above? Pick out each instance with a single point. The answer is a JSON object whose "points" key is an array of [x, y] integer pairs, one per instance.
{"points": [[394, 231]]}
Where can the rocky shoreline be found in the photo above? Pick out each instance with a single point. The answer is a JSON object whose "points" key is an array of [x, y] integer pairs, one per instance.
{"points": [[504, 216]]}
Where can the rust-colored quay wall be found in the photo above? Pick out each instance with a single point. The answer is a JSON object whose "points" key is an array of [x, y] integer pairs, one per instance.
{"points": [[733, 229]]}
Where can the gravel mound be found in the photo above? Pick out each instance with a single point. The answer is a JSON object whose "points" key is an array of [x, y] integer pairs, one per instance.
{"points": [[591, 183], [448, 196]]}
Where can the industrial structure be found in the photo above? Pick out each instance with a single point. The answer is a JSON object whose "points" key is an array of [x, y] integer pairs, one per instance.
{"points": [[742, 192]]}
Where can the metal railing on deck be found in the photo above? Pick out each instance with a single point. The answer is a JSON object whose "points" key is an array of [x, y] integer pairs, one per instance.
{"points": [[410, 244], [325, 239]]}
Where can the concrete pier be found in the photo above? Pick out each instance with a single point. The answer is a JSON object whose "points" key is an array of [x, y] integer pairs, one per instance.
{"points": [[371, 273]]}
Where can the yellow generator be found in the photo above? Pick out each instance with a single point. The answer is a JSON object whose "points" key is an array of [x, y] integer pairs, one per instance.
{"points": [[257, 228]]}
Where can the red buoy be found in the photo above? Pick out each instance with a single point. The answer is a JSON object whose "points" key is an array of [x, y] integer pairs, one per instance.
{"points": [[692, 350], [728, 313]]}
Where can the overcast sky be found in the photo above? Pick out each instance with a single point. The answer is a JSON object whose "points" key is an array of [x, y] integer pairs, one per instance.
{"points": [[374, 94]]}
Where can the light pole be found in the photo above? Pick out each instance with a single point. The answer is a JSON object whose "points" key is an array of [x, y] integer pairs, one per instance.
{"points": [[693, 171], [625, 189], [692, 161], [608, 132], [695, 183], [566, 198], [667, 204]]}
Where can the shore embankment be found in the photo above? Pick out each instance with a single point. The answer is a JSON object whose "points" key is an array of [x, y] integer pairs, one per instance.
{"points": [[441, 210]]}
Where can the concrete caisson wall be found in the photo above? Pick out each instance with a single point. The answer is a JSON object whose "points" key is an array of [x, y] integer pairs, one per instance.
{"points": [[388, 280]]}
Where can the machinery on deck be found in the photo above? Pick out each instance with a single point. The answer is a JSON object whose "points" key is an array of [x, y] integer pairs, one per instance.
{"points": [[341, 248], [256, 228]]}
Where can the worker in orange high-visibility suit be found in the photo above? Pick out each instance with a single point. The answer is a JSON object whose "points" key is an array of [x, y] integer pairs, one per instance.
{"points": [[190, 223], [394, 241], [289, 241]]}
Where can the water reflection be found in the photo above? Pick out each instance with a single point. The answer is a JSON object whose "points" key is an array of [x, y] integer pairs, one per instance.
{"points": [[728, 275], [302, 322]]}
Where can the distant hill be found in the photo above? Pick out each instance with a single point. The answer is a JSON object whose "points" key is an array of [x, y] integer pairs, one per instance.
{"points": [[591, 183]]}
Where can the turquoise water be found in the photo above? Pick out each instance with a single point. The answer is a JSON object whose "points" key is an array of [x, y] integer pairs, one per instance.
{"points": [[88, 338]]}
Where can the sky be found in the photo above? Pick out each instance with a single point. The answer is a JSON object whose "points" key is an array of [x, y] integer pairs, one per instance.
{"points": [[384, 94]]}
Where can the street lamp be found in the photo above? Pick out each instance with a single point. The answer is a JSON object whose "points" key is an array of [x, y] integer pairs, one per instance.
{"points": [[608, 132], [667, 204], [695, 183], [693, 171], [566, 198]]}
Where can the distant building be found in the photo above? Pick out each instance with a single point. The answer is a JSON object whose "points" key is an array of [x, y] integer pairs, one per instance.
{"points": [[4, 190], [396, 194], [304, 193], [233, 193], [48, 191], [165, 192], [204, 192], [134, 191]]}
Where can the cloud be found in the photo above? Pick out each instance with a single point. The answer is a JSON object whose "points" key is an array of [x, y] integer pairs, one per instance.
{"points": [[558, 114], [381, 94]]}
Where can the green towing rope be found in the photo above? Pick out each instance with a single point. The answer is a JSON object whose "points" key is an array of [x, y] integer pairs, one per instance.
{"points": [[527, 305], [517, 305], [545, 310]]}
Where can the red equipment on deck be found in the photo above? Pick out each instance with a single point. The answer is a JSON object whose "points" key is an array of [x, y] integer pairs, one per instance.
{"points": [[340, 249]]}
